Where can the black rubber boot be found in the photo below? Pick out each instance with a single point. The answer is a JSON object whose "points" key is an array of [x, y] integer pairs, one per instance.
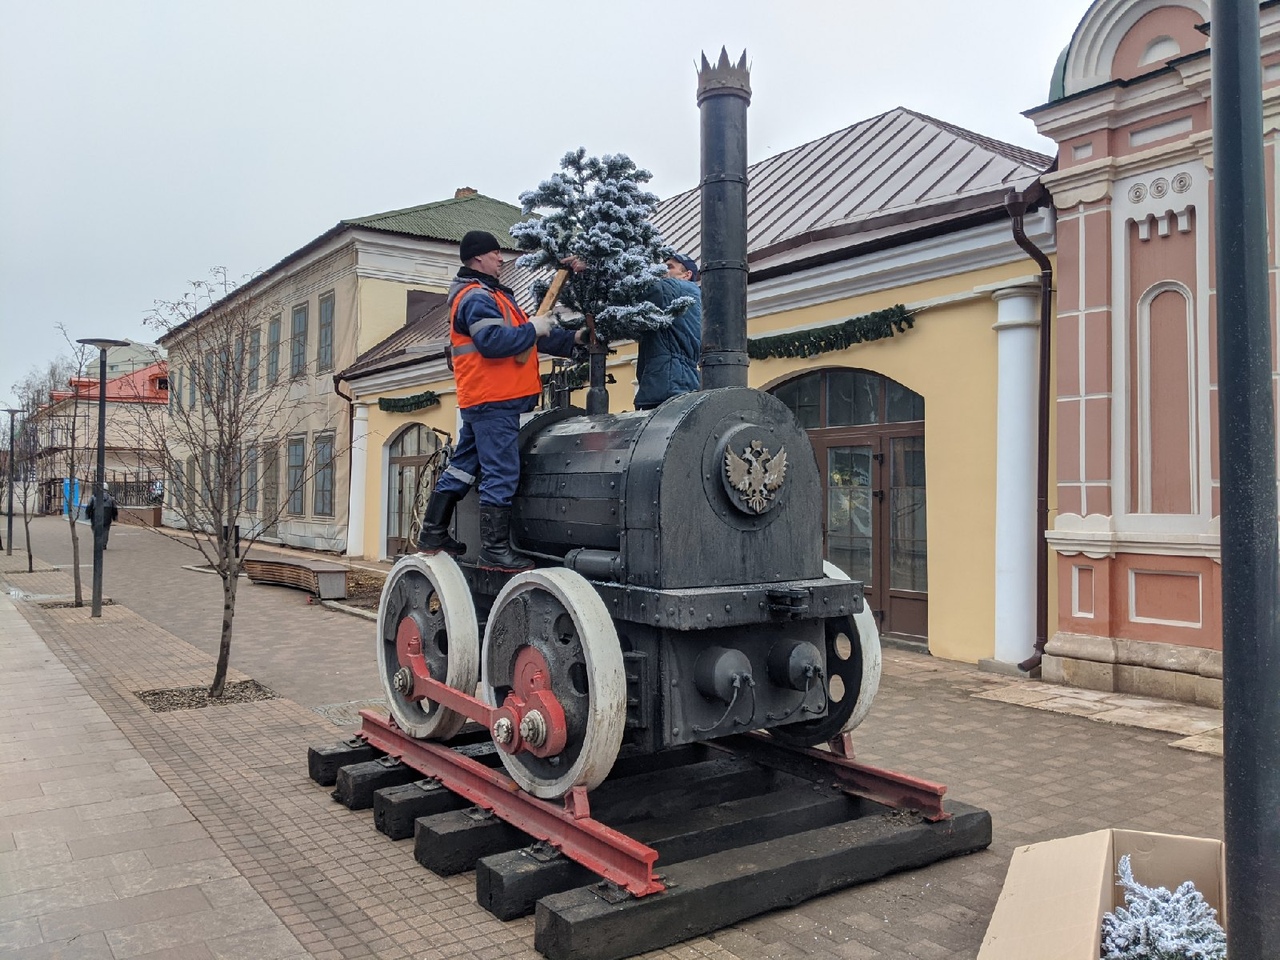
{"points": [[495, 542], [434, 536]]}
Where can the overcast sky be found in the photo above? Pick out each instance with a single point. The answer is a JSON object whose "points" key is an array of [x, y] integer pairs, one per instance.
{"points": [[142, 143]]}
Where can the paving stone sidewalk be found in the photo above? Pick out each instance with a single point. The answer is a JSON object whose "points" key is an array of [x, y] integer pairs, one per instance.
{"points": [[303, 876]]}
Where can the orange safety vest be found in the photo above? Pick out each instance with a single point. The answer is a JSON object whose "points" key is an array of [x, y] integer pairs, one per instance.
{"points": [[483, 379]]}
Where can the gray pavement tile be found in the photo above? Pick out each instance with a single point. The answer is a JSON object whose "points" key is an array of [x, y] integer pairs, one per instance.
{"points": [[228, 892], [197, 927], [38, 776], [188, 951], [149, 907], [13, 790], [72, 871], [37, 903], [66, 824], [17, 934], [186, 852], [144, 804], [191, 873], [25, 858], [273, 942], [135, 840], [91, 946]]}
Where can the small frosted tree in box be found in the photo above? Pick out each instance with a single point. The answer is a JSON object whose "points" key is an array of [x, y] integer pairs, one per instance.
{"points": [[597, 210], [1156, 924]]}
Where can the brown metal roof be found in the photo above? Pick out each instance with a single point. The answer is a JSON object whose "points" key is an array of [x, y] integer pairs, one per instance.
{"points": [[900, 168], [880, 182]]}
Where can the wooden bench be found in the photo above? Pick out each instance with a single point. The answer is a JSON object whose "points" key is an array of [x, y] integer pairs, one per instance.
{"points": [[328, 581]]}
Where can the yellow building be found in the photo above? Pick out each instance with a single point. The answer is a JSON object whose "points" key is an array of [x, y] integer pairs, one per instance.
{"points": [[304, 318], [923, 420]]}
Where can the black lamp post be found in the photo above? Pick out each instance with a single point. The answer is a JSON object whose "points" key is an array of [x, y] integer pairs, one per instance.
{"points": [[8, 537], [102, 346]]}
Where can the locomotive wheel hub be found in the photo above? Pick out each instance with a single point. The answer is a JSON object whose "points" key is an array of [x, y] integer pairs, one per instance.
{"points": [[502, 731], [533, 729], [409, 653], [403, 681], [535, 713]]}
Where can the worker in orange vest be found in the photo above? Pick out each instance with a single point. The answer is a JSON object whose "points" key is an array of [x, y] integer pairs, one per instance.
{"points": [[494, 351]]}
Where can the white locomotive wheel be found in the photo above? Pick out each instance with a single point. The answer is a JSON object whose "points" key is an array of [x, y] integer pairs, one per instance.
{"points": [[869, 641], [558, 613], [853, 661], [432, 592]]}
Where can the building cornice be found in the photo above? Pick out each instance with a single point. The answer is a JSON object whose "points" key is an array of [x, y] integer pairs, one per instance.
{"points": [[1094, 537], [1092, 181], [413, 377], [383, 256], [976, 248], [1117, 106]]}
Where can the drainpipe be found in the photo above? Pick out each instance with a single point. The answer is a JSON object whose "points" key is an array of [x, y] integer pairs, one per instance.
{"points": [[1016, 203]]}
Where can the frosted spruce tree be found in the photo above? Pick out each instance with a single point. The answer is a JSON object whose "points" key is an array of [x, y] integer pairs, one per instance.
{"points": [[1155, 924], [596, 209]]}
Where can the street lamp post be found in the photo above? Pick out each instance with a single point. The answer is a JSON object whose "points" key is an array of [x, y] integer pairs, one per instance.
{"points": [[101, 344], [8, 537]]}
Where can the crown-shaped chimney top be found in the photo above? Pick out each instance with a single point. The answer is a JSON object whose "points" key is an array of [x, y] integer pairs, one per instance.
{"points": [[724, 78]]}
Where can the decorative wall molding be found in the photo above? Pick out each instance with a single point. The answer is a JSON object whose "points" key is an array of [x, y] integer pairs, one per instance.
{"points": [[1141, 199], [1095, 180], [1095, 537], [969, 250]]}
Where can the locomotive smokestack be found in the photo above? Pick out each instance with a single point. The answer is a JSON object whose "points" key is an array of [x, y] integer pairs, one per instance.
{"points": [[724, 93]]}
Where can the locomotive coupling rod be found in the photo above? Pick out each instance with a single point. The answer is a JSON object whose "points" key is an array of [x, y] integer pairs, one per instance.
{"points": [[601, 849], [888, 787]]}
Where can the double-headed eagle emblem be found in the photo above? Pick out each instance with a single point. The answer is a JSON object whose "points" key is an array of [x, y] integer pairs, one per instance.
{"points": [[756, 475]]}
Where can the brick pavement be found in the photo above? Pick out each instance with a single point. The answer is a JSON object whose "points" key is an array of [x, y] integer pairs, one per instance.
{"points": [[340, 889]]}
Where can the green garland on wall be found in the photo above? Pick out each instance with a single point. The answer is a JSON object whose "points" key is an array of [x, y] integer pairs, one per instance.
{"points": [[418, 401], [837, 336]]}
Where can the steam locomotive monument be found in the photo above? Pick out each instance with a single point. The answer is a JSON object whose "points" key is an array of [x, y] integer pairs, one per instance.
{"points": [[680, 606]]}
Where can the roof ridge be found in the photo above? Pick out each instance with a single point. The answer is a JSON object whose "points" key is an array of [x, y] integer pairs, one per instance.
{"points": [[418, 207], [1009, 151]]}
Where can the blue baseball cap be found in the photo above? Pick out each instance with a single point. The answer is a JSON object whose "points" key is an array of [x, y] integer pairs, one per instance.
{"points": [[688, 263]]}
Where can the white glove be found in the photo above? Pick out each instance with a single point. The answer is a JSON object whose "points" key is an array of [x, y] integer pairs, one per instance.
{"points": [[543, 325]]}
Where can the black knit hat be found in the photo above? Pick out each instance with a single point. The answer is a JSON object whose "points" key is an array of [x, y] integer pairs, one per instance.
{"points": [[476, 243]]}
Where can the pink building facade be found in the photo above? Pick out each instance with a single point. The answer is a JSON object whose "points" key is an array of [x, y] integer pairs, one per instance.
{"points": [[1134, 538]]}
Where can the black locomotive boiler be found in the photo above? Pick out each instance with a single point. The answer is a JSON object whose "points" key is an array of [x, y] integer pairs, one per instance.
{"points": [[681, 594]]}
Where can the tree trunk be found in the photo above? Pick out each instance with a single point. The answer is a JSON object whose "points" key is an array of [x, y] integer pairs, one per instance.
{"points": [[230, 574], [26, 529], [75, 557]]}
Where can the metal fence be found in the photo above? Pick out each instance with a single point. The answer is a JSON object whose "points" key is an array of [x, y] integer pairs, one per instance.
{"points": [[142, 488]]}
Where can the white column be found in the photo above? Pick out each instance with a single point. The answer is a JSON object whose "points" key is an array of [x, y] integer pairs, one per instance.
{"points": [[1017, 334], [359, 470]]}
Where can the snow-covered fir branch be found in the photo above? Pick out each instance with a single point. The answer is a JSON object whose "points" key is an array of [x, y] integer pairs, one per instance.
{"points": [[597, 210], [1156, 924]]}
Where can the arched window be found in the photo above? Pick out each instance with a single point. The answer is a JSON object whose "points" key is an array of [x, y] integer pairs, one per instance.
{"points": [[411, 457], [868, 436]]}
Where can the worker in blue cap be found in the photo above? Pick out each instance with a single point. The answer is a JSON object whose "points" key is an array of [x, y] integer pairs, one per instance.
{"points": [[667, 359]]}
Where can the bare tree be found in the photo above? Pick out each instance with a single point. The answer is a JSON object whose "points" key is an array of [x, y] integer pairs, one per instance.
{"points": [[66, 417], [35, 394], [26, 453], [232, 409]]}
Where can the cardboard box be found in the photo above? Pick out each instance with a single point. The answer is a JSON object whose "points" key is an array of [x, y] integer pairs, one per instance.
{"points": [[1056, 892]]}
